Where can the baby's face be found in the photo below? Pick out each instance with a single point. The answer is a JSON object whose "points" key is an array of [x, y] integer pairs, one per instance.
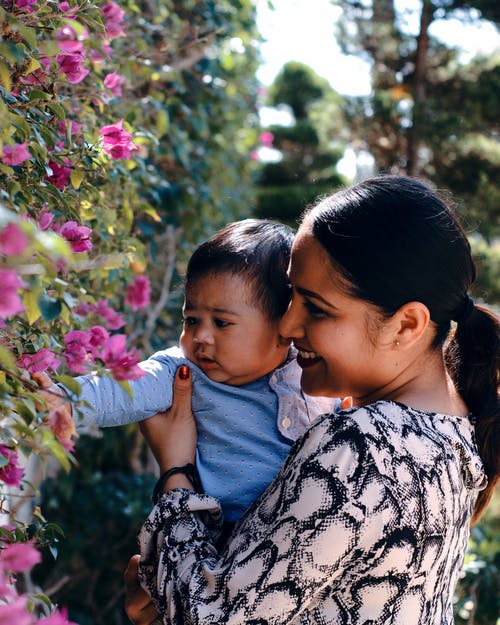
{"points": [[226, 333]]}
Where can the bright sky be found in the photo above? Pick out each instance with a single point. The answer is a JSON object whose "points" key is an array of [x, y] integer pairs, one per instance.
{"points": [[302, 30]]}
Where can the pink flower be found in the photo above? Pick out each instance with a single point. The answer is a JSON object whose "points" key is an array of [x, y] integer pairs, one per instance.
{"points": [[29, 5], [83, 309], [7, 588], [78, 350], [15, 154], [114, 83], [123, 364], [58, 617], [68, 39], [10, 302], [15, 612], [266, 138], [71, 65], [101, 55], [11, 473], [63, 426], [44, 219], [13, 241], [18, 557], [60, 175], [42, 360], [98, 336], [138, 293], [113, 319], [116, 141], [113, 17], [69, 12], [77, 236]]}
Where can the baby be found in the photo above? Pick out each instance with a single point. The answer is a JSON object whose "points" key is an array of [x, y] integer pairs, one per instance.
{"points": [[247, 400]]}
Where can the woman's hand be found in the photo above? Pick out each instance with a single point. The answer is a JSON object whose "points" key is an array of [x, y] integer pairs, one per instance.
{"points": [[138, 605], [172, 435]]}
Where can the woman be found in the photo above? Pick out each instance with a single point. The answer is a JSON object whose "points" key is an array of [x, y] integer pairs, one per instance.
{"points": [[367, 521]]}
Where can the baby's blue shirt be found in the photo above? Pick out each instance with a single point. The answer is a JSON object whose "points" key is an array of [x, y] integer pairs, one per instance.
{"points": [[244, 432]]}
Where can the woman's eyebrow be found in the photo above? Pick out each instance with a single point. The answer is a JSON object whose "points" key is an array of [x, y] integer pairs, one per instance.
{"points": [[314, 295]]}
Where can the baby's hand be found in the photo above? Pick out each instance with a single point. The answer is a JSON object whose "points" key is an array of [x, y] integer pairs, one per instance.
{"points": [[53, 395]]}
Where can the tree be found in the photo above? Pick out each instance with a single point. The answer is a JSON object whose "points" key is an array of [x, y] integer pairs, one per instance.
{"points": [[310, 148], [429, 114]]}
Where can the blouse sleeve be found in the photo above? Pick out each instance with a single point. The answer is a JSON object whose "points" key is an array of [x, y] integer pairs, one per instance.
{"points": [[299, 537]]}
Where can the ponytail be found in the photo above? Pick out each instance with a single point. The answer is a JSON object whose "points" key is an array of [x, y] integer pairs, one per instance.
{"points": [[473, 360]]}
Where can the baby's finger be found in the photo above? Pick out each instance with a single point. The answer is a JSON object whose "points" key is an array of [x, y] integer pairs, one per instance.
{"points": [[42, 379]]}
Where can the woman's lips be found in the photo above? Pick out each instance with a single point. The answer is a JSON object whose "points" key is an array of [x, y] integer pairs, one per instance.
{"points": [[306, 359]]}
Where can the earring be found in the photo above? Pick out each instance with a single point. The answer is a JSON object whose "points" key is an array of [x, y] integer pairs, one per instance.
{"points": [[396, 343]]}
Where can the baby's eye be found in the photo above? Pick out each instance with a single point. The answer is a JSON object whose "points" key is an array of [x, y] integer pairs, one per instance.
{"points": [[190, 321], [220, 323]]}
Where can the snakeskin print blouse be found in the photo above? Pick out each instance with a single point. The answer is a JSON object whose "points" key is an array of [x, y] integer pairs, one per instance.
{"points": [[366, 523]]}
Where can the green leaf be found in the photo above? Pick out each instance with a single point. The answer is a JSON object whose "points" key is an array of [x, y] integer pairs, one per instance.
{"points": [[70, 383], [49, 307], [57, 109], [162, 123], [5, 76], [7, 360], [76, 178], [125, 384], [31, 308]]}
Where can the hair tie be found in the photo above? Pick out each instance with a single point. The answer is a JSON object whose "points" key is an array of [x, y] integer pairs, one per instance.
{"points": [[465, 310]]}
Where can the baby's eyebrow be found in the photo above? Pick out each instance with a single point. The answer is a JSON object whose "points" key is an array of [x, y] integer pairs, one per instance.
{"points": [[188, 307]]}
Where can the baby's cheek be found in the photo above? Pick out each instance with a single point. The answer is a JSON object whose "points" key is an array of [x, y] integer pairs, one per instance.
{"points": [[186, 344]]}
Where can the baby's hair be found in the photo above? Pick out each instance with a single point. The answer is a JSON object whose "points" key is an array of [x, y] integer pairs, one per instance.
{"points": [[394, 240], [256, 250]]}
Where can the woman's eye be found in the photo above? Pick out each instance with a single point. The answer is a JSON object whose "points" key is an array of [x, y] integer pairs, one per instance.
{"points": [[312, 308], [190, 321], [221, 324]]}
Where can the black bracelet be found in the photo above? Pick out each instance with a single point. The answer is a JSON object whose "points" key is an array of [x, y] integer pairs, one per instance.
{"points": [[189, 470]]}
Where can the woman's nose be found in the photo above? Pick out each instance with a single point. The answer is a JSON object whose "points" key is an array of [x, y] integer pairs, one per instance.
{"points": [[291, 326]]}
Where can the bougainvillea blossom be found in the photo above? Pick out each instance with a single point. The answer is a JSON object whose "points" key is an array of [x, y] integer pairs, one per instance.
{"points": [[114, 83], [15, 154], [77, 236], [116, 141], [138, 293], [15, 612], [122, 364], [18, 557], [68, 39], [97, 337], [13, 241], [71, 66], [10, 303], [11, 473], [58, 617], [41, 360], [77, 350], [60, 175], [113, 20]]}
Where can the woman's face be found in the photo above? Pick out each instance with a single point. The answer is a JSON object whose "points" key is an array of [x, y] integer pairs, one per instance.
{"points": [[339, 337]]}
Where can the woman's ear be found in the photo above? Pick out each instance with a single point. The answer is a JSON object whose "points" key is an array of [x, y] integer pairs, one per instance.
{"points": [[410, 323]]}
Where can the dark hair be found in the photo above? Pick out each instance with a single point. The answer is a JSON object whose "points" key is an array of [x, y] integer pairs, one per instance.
{"points": [[255, 249], [394, 240]]}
